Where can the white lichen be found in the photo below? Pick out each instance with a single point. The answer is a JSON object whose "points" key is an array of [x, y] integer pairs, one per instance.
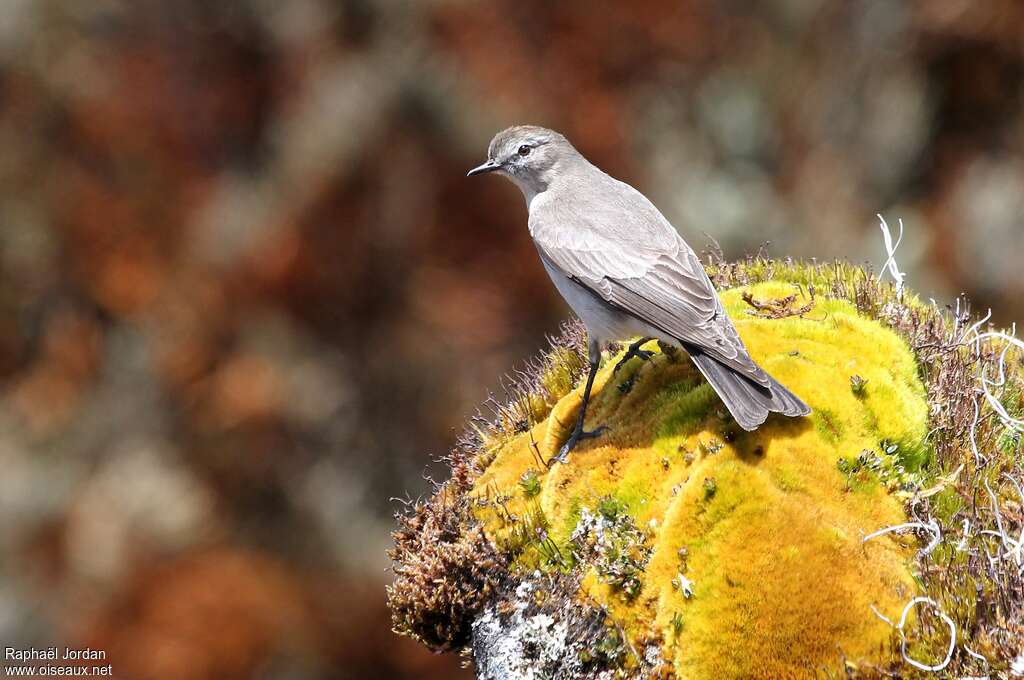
{"points": [[683, 584], [1017, 666]]}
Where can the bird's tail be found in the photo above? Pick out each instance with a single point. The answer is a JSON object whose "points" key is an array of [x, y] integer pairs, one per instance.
{"points": [[748, 402]]}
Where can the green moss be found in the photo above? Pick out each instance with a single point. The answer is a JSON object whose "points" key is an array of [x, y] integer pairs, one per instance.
{"points": [[1012, 398], [788, 478], [529, 542], [912, 455], [766, 576], [610, 508], [1010, 441], [559, 376], [770, 523], [685, 404], [568, 523], [828, 426], [529, 483], [710, 488], [946, 504]]}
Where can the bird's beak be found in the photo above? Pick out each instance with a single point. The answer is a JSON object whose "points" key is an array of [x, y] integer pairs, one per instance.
{"points": [[489, 166]]}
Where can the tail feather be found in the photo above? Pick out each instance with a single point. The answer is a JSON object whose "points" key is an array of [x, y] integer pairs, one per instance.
{"points": [[748, 402]]}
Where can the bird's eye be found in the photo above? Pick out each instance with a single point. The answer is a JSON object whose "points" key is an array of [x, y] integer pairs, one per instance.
{"points": [[524, 150]]}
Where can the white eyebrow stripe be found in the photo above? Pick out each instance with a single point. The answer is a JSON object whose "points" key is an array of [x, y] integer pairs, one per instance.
{"points": [[533, 142], [511, 146]]}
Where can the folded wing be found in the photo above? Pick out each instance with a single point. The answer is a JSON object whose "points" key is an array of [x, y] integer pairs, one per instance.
{"points": [[666, 288]]}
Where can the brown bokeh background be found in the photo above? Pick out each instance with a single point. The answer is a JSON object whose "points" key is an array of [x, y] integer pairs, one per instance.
{"points": [[247, 293]]}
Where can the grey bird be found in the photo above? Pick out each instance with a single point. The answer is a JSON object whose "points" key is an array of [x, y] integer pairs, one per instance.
{"points": [[626, 272]]}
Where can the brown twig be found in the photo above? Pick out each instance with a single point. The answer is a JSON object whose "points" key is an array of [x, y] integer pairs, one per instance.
{"points": [[779, 308]]}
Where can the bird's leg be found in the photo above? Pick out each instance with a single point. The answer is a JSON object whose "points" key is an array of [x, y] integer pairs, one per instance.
{"points": [[634, 351], [578, 433]]}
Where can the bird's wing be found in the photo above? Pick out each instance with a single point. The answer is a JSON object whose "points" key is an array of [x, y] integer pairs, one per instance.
{"points": [[665, 287]]}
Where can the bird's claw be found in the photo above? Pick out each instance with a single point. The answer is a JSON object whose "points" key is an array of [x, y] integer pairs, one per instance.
{"points": [[592, 434], [634, 351], [576, 437]]}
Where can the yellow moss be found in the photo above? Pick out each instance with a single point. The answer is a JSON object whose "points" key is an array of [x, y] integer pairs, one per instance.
{"points": [[781, 581]]}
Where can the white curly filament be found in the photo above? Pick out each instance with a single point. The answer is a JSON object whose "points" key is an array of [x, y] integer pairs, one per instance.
{"points": [[890, 249], [932, 527]]}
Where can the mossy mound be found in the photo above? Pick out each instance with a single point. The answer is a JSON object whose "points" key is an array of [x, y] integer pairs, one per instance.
{"points": [[678, 545], [767, 526]]}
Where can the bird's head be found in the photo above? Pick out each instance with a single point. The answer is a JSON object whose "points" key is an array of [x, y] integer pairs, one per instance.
{"points": [[528, 155]]}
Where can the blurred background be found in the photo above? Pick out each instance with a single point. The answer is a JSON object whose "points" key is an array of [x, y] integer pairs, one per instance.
{"points": [[247, 293]]}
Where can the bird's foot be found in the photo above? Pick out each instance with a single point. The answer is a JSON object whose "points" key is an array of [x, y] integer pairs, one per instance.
{"points": [[577, 436], [634, 351]]}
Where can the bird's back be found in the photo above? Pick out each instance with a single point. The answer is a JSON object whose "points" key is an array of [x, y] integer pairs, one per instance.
{"points": [[586, 208]]}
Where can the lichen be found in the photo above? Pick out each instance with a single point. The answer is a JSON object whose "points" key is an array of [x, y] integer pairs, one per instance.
{"points": [[530, 634], [609, 542]]}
